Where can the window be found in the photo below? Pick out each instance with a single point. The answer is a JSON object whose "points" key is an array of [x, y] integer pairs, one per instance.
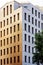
{"points": [[38, 14], [18, 26], [18, 58], [14, 28], [35, 22], [32, 20], [14, 49], [28, 28], [4, 61], [10, 39], [32, 10], [25, 37], [10, 19], [4, 22], [14, 38], [1, 33], [29, 59], [32, 30], [7, 10], [4, 51], [7, 21], [25, 26], [10, 59], [14, 18], [10, 29], [29, 49], [25, 48], [42, 16], [10, 49], [18, 48], [1, 52], [4, 32], [32, 49], [7, 60], [25, 16], [35, 30], [7, 31], [7, 41], [10, 8], [39, 24], [25, 58], [18, 16], [1, 61], [32, 40], [0, 42], [7, 50], [4, 12], [18, 37], [14, 59], [28, 18], [35, 12], [4, 42], [1, 24], [29, 39]]}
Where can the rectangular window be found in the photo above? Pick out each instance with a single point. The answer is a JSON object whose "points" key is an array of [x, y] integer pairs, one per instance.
{"points": [[4, 42], [18, 48], [38, 14], [25, 48], [35, 30], [18, 26], [14, 18], [25, 26], [14, 38], [10, 39], [28, 28], [7, 41], [18, 16], [4, 51], [14, 28], [10, 59], [7, 21], [25, 37], [29, 59], [10, 29], [1, 24], [32, 30], [7, 31], [29, 39], [7, 10], [35, 12], [7, 60], [25, 58], [14, 59], [1, 33], [1, 52], [28, 18], [7, 51], [4, 32], [32, 10], [0, 42], [10, 19], [4, 61], [1, 61], [4, 12], [35, 22], [4, 22], [14, 49], [41, 16], [39, 24], [29, 49], [10, 8], [32, 49], [18, 36], [10, 49], [25, 16], [18, 58], [32, 40], [32, 20]]}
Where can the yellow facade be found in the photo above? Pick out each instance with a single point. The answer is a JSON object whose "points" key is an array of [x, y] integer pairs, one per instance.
{"points": [[10, 35]]}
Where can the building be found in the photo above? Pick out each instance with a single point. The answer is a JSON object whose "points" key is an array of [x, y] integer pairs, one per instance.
{"points": [[18, 24]]}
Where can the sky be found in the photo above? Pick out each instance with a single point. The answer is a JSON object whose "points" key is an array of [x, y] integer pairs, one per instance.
{"points": [[34, 2]]}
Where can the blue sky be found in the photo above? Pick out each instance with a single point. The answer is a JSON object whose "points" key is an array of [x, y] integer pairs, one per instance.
{"points": [[35, 2]]}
